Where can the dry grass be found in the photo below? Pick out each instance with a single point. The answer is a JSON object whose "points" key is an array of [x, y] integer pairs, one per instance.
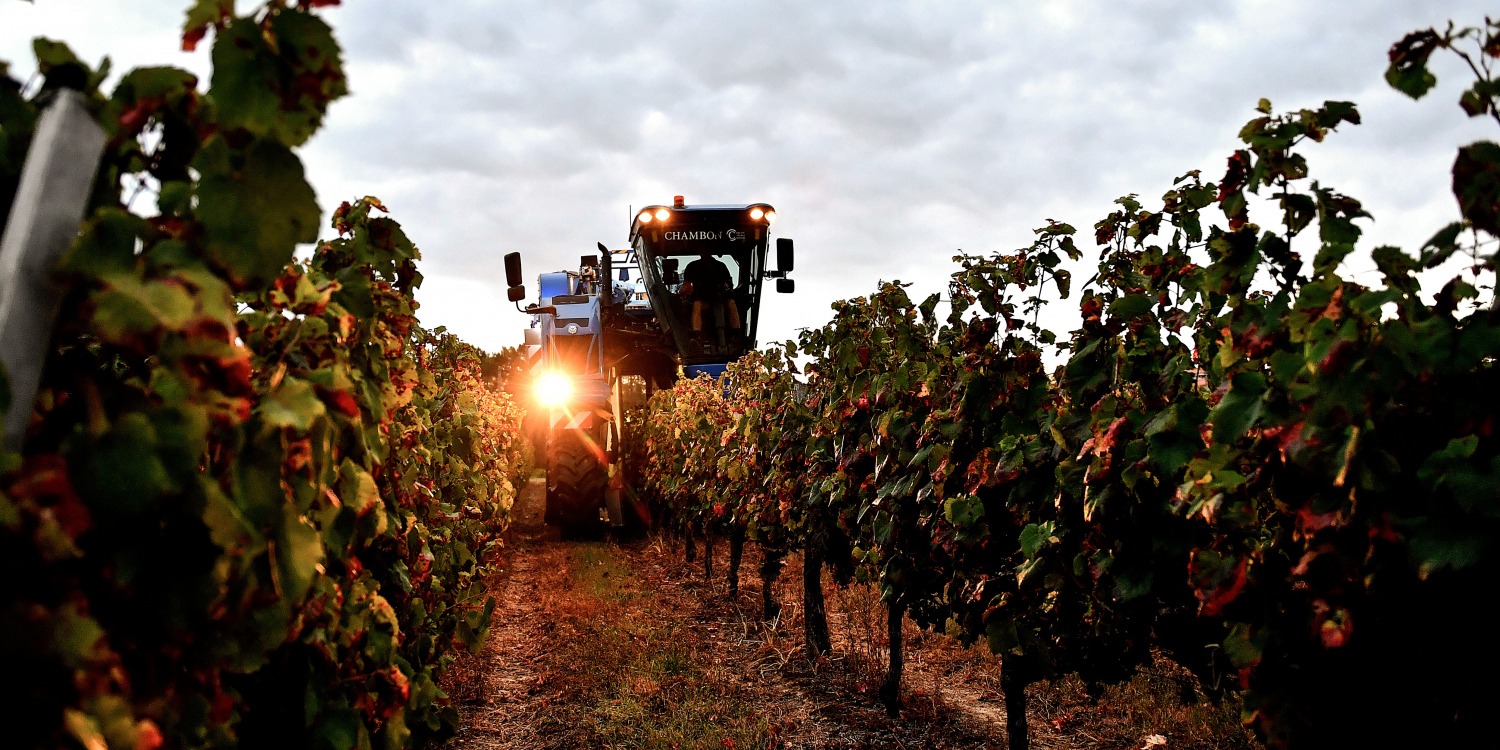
{"points": [[628, 646]]}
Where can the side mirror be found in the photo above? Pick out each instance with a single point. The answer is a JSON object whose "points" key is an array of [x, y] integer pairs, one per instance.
{"points": [[786, 286], [512, 269], [783, 256], [515, 291]]}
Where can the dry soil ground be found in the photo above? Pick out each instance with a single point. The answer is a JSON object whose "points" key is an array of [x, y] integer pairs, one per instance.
{"points": [[626, 645]]}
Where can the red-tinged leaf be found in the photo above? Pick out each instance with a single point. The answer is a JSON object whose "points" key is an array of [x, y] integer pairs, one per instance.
{"points": [[1235, 175], [1091, 308], [133, 120], [202, 16], [1408, 71], [191, 37], [342, 401], [44, 481], [1217, 580], [398, 690], [980, 471]]}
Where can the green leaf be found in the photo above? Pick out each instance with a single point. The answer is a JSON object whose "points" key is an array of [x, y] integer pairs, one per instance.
{"points": [[307, 48], [244, 86], [356, 487], [1002, 636], [1131, 306], [106, 244], [156, 82], [1240, 407], [1064, 281], [299, 550], [1476, 184], [474, 628], [1457, 452], [121, 472], [77, 639], [60, 68], [1408, 71], [966, 513], [1397, 267], [203, 14], [1133, 584], [256, 214], [1442, 245], [341, 729], [294, 404], [1244, 649], [1037, 535], [1438, 545], [227, 526]]}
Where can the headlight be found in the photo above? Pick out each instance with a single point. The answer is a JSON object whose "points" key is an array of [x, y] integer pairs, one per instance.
{"points": [[757, 212], [663, 214], [645, 217], [553, 388]]}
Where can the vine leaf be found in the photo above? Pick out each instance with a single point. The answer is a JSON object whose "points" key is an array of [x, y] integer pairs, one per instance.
{"points": [[1408, 71], [299, 549], [256, 215], [1240, 408], [294, 404], [204, 14], [1476, 184]]}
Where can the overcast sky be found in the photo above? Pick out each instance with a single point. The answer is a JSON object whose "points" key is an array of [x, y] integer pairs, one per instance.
{"points": [[888, 135]]}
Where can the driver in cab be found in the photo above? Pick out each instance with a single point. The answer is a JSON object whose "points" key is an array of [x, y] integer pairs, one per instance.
{"points": [[706, 281]]}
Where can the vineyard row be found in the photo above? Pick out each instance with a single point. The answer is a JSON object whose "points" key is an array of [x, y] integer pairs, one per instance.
{"points": [[1283, 479]]}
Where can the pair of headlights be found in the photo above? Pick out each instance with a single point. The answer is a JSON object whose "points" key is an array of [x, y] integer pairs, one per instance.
{"points": [[663, 214]]}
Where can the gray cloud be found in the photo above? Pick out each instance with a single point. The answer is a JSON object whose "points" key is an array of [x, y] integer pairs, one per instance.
{"points": [[889, 135]]}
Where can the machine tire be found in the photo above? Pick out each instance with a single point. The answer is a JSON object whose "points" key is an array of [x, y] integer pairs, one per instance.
{"points": [[575, 488]]}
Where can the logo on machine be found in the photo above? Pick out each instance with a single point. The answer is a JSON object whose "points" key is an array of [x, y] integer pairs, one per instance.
{"points": [[703, 235], [734, 235]]}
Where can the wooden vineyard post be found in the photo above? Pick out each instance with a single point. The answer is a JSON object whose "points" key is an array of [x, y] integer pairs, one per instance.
{"points": [[55, 183]]}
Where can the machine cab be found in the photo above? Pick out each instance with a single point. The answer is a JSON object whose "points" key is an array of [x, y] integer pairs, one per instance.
{"points": [[676, 248]]}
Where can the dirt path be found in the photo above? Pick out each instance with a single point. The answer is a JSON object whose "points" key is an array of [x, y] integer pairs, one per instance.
{"points": [[609, 644]]}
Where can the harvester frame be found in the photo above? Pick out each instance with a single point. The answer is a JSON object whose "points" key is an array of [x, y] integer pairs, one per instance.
{"points": [[618, 329]]}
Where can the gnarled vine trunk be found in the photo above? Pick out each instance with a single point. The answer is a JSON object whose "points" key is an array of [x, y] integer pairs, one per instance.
{"points": [[1014, 677], [814, 612], [890, 692], [736, 551], [771, 563], [708, 551]]}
